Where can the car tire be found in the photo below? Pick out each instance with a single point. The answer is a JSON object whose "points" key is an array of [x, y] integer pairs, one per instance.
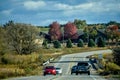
{"points": [[89, 73], [71, 73], [76, 73], [44, 74]]}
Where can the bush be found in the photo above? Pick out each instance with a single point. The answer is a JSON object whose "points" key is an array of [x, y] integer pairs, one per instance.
{"points": [[57, 44], [113, 68], [80, 43], [44, 44], [91, 43], [100, 42], [69, 44], [116, 54]]}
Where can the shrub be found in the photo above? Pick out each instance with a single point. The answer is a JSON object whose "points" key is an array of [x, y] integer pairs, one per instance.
{"points": [[80, 43], [44, 44], [115, 69], [91, 43], [57, 44], [116, 54], [100, 42], [69, 44]]}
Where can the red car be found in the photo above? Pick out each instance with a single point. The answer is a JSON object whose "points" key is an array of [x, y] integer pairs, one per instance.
{"points": [[49, 70]]}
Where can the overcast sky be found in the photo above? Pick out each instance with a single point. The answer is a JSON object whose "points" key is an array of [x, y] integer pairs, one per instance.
{"points": [[44, 12]]}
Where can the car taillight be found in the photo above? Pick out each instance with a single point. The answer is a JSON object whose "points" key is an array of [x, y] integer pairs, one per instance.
{"points": [[54, 70]]}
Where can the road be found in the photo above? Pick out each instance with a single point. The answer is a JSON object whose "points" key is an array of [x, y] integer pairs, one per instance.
{"points": [[66, 62]]}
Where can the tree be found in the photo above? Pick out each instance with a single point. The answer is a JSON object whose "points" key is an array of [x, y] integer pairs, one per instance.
{"points": [[80, 23], [100, 42], [80, 43], [91, 43], [3, 45], [85, 37], [44, 44], [70, 31], [21, 37], [69, 44], [116, 54], [57, 44], [54, 31], [93, 33]]}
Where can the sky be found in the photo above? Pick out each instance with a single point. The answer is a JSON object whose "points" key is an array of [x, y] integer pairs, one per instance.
{"points": [[44, 12]]}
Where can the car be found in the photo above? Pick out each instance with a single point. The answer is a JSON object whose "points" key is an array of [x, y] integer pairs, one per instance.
{"points": [[49, 70], [58, 70], [74, 69], [83, 67]]}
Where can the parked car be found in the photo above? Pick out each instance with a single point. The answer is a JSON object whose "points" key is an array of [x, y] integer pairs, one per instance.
{"points": [[59, 71], [49, 70], [74, 69], [83, 67]]}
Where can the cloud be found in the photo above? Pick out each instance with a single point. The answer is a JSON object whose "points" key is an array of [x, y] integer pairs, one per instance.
{"points": [[34, 5], [89, 7], [6, 12], [73, 7]]}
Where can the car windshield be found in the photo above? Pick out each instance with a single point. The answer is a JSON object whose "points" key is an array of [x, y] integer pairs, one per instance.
{"points": [[82, 64], [74, 67], [49, 67], [57, 68]]}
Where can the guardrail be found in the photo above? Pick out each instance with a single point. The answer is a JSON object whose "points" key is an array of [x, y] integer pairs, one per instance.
{"points": [[48, 61]]}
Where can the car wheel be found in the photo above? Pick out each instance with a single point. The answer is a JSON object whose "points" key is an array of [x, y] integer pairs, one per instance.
{"points": [[44, 74], [89, 73], [71, 73], [76, 73]]}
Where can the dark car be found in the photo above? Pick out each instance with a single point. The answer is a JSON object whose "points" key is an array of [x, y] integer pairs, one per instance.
{"points": [[83, 67], [74, 69], [49, 70]]}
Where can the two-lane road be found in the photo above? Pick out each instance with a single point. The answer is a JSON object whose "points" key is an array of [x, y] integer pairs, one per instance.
{"points": [[66, 62]]}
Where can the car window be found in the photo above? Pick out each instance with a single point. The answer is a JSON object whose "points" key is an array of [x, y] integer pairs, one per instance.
{"points": [[82, 64], [49, 67]]}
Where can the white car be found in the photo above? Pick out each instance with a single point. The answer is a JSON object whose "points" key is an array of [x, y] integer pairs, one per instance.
{"points": [[59, 71]]}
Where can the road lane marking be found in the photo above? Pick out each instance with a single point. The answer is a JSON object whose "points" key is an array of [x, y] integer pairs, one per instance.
{"points": [[69, 66]]}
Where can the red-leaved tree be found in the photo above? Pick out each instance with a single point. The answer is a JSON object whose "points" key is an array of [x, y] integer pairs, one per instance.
{"points": [[70, 31], [54, 31]]}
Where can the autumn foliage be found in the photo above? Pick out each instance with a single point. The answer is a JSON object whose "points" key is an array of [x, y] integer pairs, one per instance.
{"points": [[113, 28], [70, 31], [54, 31]]}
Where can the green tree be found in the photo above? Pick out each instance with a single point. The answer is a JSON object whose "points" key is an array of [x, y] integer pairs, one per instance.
{"points": [[57, 44], [80, 43], [80, 23], [69, 44], [85, 37], [44, 44], [91, 43], [100, 42], [21, 37], [93, 33]]}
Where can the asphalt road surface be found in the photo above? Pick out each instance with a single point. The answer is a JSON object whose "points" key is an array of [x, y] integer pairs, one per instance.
{"points": [[66, 62]]}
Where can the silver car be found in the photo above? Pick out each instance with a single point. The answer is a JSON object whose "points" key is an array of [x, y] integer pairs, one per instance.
{"points": [[59, 71]]}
